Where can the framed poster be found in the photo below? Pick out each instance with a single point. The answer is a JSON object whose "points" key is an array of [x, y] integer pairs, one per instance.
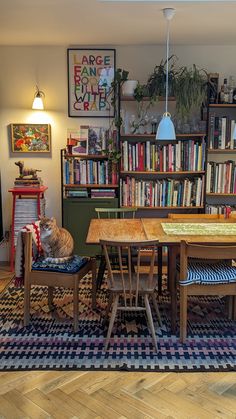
{"points": [[90, 74], [30, 138]]}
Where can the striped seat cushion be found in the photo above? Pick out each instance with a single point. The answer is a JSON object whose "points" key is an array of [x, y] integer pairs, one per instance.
{"points": [[203, 272]]}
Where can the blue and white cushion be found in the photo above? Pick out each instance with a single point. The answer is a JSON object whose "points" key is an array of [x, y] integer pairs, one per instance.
{"points": [[70, 266], [203, 272]]}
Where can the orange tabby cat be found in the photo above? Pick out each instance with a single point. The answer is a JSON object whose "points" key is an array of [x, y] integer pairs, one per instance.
{"points": [[57, 243]]}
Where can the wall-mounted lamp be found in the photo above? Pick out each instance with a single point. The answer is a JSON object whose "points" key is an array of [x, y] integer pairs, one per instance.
{"points": [[166, 129], [38, 100]]}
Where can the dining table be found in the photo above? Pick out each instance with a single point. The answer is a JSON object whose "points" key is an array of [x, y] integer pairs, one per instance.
{"points": [[169, 232]]}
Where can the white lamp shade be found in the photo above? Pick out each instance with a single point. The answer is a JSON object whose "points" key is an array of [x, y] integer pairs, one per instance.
{"points": [[166, 129], [38, 103]]}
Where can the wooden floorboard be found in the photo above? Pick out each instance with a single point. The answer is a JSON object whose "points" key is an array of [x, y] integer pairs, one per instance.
{"points": [[61, 394]]}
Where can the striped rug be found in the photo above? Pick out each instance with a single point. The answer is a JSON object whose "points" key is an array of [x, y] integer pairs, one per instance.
{"points": [[49, 341]]}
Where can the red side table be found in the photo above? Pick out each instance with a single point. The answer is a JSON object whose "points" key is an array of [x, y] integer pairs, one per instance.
{"points": [[39, 193]]}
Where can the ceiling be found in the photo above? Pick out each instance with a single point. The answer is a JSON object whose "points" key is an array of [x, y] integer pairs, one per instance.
{"points": [[93, 22]]}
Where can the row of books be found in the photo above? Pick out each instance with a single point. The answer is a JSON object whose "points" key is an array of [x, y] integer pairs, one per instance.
{"points": [[26, 212], [225, 210], [188, 155], [88, 172], [27, 183], [221, 177], [94, 193], [162, 193], [221, 132], [103, 193]]}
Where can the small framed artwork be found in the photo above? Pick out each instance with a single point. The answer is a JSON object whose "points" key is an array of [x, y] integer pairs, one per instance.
{"points": [[30, 138], [90, 76], [77, 140]]}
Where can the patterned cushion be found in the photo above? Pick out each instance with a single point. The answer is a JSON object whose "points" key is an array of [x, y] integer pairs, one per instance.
{"points": [[203, 272], [70, 266]]}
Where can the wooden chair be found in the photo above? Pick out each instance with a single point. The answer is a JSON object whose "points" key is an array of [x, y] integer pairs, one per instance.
{"points": [[53, 279], [198, 276], [111, 213], [116, 212], [126, 286], [179, 216]]}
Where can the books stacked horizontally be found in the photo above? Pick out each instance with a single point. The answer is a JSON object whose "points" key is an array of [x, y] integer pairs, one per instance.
{"points": [[26, 212], [78, 193], [103, 193], [27, 183]]}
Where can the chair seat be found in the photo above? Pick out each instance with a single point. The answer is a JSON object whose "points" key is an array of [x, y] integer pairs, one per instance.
{"points": [[70, 266], [205, 273]]}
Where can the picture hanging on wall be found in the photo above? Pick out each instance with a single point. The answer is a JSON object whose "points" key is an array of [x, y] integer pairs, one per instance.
{"points": [[30, 138], [90, 75]]}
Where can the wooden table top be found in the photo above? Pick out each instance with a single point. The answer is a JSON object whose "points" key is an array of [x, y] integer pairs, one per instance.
{"points": [[150, 229]]}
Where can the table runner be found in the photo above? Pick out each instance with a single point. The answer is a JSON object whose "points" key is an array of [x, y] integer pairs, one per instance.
{"points": [[200, 229]]}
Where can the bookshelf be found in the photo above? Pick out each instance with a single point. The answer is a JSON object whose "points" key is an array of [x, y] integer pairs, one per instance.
{"points": [[221, 154], [163, 175], [88, 181]]}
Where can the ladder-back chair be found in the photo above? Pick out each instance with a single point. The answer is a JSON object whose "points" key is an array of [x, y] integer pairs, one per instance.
{"points": [[131, 290]]}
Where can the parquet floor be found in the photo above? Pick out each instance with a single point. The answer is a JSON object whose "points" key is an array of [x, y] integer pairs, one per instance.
{"points": [[113, 395]]}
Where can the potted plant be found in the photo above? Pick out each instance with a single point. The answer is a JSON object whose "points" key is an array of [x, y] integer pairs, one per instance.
{"points": [[120, 77]]}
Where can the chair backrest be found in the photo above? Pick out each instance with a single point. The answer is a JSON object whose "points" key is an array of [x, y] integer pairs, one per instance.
{"points": [[209, 216], [116, 212], [126, 276], [27, 241], [208, 252]]}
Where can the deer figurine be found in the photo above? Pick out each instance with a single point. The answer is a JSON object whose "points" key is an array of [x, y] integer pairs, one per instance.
{"points": [[27, 172]]}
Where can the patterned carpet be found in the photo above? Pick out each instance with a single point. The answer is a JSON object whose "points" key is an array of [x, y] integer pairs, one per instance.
{"points": [[49, 341]]}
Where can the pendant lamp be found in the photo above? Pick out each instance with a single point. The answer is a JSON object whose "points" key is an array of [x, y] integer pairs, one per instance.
{"points": [[166, 129], [38, 100]]}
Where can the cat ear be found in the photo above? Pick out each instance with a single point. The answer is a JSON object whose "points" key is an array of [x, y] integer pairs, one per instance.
{"points": [[53, 219]]}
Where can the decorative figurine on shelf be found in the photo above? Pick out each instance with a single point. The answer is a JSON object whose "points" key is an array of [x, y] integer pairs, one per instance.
{"points": [[26, 173]]}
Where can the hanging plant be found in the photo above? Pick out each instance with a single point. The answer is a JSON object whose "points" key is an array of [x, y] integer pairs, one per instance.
{"points": [[190, 90]]}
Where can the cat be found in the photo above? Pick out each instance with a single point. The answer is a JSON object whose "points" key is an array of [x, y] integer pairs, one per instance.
{"points": [[57, 243]]}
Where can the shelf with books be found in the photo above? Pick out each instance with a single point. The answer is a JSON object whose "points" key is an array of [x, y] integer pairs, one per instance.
{"points": [[166, 208], [221, 173], [163, 175]]}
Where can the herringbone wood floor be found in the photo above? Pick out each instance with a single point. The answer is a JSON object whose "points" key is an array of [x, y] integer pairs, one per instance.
{"points": [[111, 395]]}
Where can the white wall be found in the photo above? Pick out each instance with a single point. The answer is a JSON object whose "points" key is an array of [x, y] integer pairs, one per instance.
{"points": [[22, 68]]}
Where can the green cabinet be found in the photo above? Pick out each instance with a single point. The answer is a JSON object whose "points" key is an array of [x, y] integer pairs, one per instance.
{"points": [[77, 213]]}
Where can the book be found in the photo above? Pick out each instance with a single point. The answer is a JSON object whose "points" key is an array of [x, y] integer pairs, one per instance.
{"points": [[77, 140]]}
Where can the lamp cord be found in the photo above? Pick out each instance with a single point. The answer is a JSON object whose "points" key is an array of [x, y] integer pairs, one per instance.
{"points": [[167, 62]]}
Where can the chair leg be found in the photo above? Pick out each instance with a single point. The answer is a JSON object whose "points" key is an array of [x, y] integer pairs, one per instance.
{"points": [[183, 313], [26, 303], [150, 321], [94, 283], [159, 262], [50, 298], [112, 319], [75, 304], [101, 271], [157, 309]]}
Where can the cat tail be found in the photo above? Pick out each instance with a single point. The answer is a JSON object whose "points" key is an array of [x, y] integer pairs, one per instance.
{"points": [[58, 260]]}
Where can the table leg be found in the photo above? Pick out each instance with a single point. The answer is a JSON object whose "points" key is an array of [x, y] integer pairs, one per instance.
{"points": [[173, 250]]}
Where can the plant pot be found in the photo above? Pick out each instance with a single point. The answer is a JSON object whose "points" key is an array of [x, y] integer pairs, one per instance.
{"points": [[128, 87]]}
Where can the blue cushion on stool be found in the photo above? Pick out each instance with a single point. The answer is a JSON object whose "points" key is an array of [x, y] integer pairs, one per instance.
{"points": [[203, 272], [70, 266]]}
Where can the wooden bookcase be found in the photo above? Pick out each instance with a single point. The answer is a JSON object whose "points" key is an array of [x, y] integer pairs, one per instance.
{"points": [[221, 163], [82, 191]]}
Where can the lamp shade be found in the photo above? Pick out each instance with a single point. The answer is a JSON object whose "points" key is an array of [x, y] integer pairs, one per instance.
{"points": [[166, 129], [38, 100]]}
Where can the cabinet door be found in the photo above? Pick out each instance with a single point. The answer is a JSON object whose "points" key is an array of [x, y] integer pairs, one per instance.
{"points": [[77, 214]]}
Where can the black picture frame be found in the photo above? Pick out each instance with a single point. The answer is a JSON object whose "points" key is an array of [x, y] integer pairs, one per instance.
{"points": [[90, 74]]}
